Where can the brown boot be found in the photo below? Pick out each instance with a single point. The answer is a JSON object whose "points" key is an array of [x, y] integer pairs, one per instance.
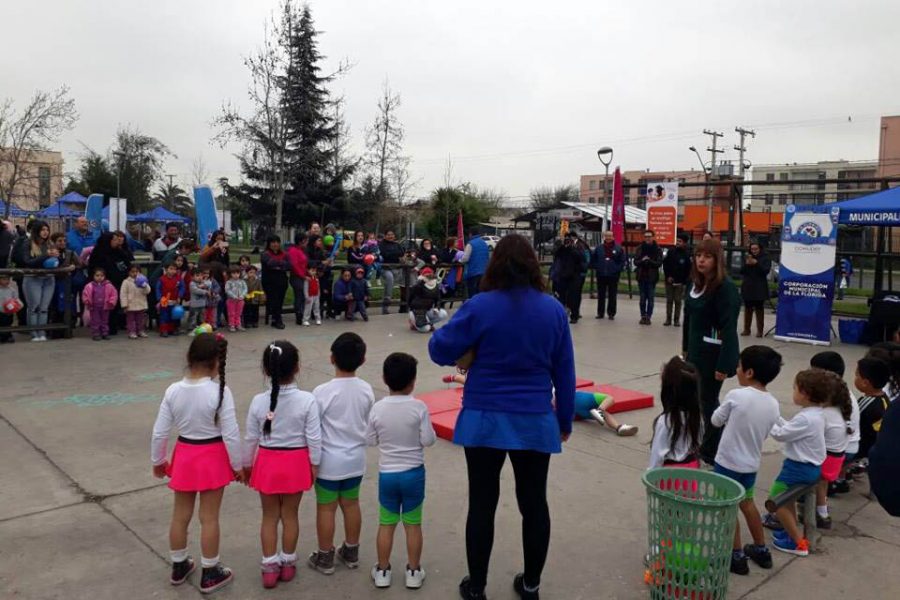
{"points": [[748, 321], [760, 316]]}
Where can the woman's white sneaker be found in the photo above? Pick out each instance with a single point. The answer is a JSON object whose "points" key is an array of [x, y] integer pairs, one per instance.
{"points": [[414, 577]]}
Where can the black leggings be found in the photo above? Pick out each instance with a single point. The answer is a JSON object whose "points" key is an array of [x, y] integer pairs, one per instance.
{"points": [[530, 468], [275, 288], [709, 402]]}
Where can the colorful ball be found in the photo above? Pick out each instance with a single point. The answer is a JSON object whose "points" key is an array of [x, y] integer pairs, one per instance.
{"points": [[369, 259], [140, 281], [177, 312], [12, 306], [328, 240], [204, 328], [51, 263]]}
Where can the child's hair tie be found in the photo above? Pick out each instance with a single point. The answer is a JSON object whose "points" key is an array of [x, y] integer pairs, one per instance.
{"points": [[274, 348], [270, 416]]}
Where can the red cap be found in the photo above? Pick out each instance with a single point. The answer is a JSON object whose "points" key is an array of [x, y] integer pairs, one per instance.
{"points": [[426, 271]]}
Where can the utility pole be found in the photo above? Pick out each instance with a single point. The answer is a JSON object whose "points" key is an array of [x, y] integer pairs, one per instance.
{"points": [[738, 234], [171, 177], [712, 172]]}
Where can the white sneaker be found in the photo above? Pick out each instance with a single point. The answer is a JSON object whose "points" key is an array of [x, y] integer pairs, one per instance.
{"points": [[318, 321], [414, 579], [306, 323], [382, 577]]}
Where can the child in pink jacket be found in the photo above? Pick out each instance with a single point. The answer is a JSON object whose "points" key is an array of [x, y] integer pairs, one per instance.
{"points": [[99, 298]]}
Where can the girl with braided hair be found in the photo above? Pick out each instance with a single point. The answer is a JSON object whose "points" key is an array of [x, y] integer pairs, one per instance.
{"points": [[206, 458], [282, 451]]}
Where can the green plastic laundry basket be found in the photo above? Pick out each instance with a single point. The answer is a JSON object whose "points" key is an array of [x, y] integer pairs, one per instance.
{"points": [[691, 515]]}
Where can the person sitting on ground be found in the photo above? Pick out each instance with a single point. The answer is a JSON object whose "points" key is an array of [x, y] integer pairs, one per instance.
{"points": [[594, 405], [424, 302]]}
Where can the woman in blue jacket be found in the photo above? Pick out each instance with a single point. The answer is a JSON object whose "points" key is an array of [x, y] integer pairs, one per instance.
{"points": [[518, 348]]}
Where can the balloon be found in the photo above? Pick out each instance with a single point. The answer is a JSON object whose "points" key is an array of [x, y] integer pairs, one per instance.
{"points": [[140, 281], [369, 259], [51, 263], [177, 312], [12, 306], [328, 240], [204, 328]]}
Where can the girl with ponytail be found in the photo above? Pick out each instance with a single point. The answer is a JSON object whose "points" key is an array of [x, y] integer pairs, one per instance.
{"points": [[282, 450], [206, 458]]}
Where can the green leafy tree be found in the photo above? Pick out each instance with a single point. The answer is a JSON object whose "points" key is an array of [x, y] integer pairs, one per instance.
{"points": [[139, 160], [545, 198], [446, 203]]}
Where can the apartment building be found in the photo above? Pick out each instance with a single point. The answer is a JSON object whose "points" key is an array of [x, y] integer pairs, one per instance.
{"points": [[593, 187], [40, 178], [783, 190]]}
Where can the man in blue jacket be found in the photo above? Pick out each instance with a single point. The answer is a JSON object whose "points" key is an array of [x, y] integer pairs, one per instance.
{"points": [[475, 257], [608, 260], [80, 236]]}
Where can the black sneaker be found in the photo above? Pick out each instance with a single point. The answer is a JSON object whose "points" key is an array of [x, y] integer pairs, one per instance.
{"points": [[215, 578], [739, 564], [519, 587], [323, 562], [278, 325], [365, 317], [182, 570], [467, 593], [823, 522], [841, 486], [760, 555], [349, 555]]}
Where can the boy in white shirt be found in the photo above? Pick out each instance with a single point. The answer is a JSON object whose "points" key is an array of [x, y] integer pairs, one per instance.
{"points": [[401, 428], [344, 406], [748, 415]]}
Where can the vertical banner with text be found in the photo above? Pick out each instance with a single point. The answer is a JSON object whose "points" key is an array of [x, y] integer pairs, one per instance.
{"points": [[662, 211], [806, 274], [118, 215]]}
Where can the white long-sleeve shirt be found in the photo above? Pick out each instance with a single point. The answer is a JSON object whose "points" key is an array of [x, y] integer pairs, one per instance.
{"points": [[803, 436], [853, 423], [296, 424], [401, 428], [662, 449], [344, 407], [748, 415], [189, 406], [836, 438]]}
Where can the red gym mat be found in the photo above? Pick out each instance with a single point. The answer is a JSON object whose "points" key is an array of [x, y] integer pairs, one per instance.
{"points": [[625, 399], [582, 383], [444, 423], [440, 401]]}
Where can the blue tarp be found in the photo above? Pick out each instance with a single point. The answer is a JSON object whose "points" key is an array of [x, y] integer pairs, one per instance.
{"points": [[159, 215], [15, 211], [880, 208]]}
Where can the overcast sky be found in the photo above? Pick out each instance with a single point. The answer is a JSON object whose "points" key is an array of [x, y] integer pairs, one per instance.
{"points": [[516, 94]]}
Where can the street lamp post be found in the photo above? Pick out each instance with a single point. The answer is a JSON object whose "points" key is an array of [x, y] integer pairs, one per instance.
{"points": [[707, 175], [605, 152], [223, 183]]}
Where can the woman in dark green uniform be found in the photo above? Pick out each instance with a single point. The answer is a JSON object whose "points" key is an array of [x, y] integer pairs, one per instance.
{"points": [[710, 340]]}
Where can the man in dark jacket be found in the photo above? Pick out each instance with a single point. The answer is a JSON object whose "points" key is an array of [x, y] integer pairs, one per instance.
{"points": [[884, 462], [7, 240], [677, 270], [391, 253], [568, 263], [647, 261], [755, 288], [608, 260]]}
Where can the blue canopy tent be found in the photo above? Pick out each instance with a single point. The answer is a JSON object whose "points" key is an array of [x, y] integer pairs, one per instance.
{"points": [[105, 214], [14, 211], [880, 209], [58, 210], [159, 215], [72, 198]]}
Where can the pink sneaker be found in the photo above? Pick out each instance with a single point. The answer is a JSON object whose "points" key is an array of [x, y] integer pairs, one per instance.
{"points": [[288, 570], [270, 574]]}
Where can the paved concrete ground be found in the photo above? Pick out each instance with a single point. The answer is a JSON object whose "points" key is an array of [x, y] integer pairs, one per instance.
{"points": [[81, 516]]}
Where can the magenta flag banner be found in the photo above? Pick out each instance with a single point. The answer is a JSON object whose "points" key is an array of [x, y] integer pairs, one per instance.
{"points": [[618, 208], [460, 242]]}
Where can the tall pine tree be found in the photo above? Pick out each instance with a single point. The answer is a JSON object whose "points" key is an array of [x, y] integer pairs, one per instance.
{"points": [[287, 158]]}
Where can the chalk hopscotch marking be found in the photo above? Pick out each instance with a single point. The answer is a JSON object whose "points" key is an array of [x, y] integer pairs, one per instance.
{"points": [[92, 400], [156, 376]]}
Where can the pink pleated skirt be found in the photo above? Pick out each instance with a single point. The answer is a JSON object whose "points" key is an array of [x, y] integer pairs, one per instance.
{"points": [[199, 465], [281, 471]]}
